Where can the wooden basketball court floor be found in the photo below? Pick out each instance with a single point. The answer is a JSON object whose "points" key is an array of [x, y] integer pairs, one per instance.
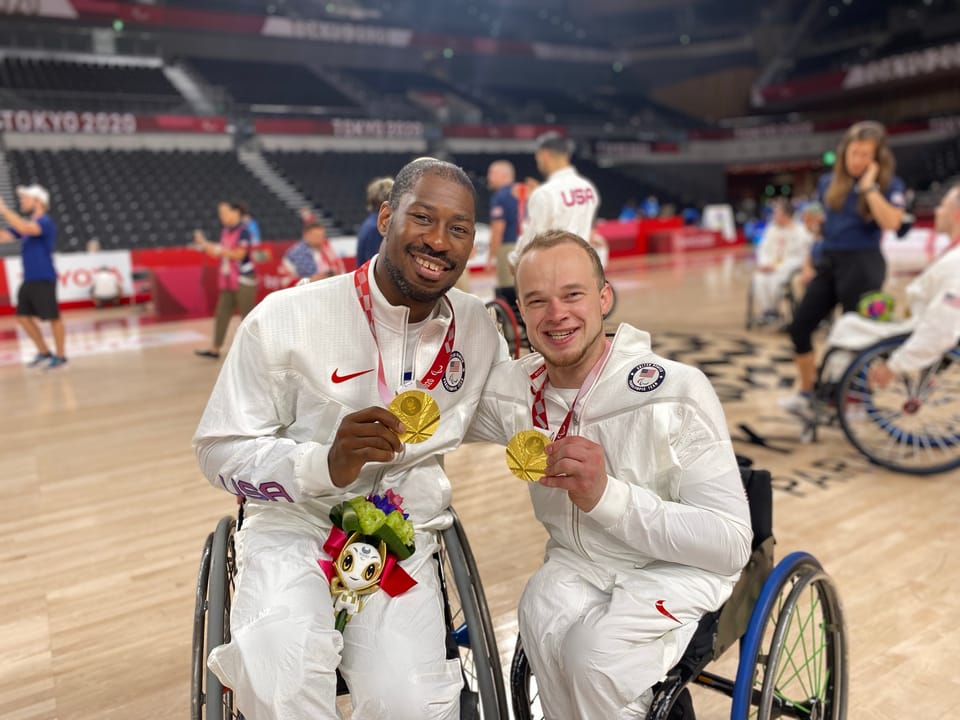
{"points": [[104, 512]]}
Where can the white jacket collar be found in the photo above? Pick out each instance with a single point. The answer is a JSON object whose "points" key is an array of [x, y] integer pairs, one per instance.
{"points": [[396, 317]]}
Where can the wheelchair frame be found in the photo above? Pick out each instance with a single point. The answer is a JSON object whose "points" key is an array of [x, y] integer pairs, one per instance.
{"points": [[882, 423], [767, 671], [465, 608]]}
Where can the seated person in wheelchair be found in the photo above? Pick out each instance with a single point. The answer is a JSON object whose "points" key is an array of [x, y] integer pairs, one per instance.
{"points": [[641, 495], [933, 300], [298, 423], [784, 245]]}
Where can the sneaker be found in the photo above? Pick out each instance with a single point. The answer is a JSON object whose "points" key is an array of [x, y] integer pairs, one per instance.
{"points": [[800, 403], [56, 361], [40, 359]]}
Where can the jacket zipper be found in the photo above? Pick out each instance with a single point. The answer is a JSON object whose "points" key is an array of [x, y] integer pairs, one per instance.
{"points": [[575, 515]]}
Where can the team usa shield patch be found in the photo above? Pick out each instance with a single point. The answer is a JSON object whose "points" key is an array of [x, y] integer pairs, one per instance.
{"points": [[646, 377], [456, 372]]}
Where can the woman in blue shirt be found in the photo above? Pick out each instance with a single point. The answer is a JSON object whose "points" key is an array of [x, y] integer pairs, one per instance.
{"points": [[862, 197]]}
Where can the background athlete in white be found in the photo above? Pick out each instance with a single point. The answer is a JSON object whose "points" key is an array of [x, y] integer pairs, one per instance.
{"points": [[297, 423], [642, 499], [566, 201]]}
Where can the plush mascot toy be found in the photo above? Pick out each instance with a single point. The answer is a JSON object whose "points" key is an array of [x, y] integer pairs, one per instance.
{"points": [[368, 538]]}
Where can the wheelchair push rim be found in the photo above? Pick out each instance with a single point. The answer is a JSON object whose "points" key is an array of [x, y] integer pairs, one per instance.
{"points": [[912, 425], [507, 323], [215, 699], [793, 657]]}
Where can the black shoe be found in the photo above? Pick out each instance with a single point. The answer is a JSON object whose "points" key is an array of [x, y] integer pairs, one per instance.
{"points": [[206, 354]]}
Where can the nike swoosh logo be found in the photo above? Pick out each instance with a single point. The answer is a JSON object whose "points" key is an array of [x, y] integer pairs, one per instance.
{"points": [[335, 377], [663, 611]]}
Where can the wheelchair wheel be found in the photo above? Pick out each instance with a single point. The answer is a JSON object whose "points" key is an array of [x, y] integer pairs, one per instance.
{"points": [[211, 620], [793, 657], [910, 426], [613, 304], [471, 634], [506, 321], [751, 318], [525, 697]]}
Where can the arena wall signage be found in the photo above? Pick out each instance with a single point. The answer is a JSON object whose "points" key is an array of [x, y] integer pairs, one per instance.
{"points": [[104, 123]]}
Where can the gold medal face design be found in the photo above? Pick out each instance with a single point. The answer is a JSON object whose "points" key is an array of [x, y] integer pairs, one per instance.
{"points": [[418, 412], [526, 455]]}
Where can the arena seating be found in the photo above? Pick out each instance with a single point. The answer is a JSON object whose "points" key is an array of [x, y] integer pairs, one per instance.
{"points": [[337, 182], [60, 84], [260, 83], [140, 198]]}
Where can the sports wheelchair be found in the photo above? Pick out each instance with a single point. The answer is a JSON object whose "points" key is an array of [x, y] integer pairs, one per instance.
{"points": [[508, 321], [470, 634], [786, 305], [788, 620], [911, 426]]}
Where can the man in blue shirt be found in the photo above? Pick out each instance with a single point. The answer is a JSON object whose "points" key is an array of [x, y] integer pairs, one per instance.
{"points": [[38, 292], [504, 227]]}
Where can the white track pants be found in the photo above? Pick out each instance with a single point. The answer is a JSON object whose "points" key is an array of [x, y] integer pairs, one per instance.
{"points": [[284, 651], [597, 641]]}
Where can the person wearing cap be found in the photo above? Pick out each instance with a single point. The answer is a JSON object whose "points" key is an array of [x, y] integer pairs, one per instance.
{"points": [[566, 201], [38, 292]]}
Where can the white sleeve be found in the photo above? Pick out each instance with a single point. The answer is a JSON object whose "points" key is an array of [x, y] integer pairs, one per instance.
{"points": [[937, 331], [239, 442], [487, 424], [766, 254], [708, 526]]}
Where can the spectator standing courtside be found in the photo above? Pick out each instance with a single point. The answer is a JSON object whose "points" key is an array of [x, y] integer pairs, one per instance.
{"points": [[861, 197], [38, 292], [236, 279], [504, 227]]}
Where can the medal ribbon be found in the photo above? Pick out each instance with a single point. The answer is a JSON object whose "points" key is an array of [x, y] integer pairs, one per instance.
{"points": [[538, 410], [361, 282]]}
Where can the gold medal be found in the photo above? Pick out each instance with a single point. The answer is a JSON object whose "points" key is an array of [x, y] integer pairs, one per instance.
{"points": [[418, 412], [526, 455]]}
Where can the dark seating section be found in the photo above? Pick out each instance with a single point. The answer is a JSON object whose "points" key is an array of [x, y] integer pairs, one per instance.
{"points": [[263, 83], [538, 104], [63, 85], [140, 198], [337, 182]]}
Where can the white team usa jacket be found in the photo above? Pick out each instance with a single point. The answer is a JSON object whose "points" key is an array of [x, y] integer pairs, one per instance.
{"points": [[302, 360], [673, 491]]}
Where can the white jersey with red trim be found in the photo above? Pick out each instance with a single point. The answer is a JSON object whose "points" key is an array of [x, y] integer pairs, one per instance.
{"points": [[566, 201], [302, 360]]}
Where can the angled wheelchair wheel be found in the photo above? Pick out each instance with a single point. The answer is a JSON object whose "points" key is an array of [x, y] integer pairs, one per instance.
{"points": [[751, 318], [470, 629], [524, 694], [613, 303], [912, 425], [211, 624], [793, 657], [506, 321]]}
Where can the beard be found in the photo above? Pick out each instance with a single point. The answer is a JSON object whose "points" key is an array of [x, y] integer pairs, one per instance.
{"points": [[408, 290], [572, 360]]}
